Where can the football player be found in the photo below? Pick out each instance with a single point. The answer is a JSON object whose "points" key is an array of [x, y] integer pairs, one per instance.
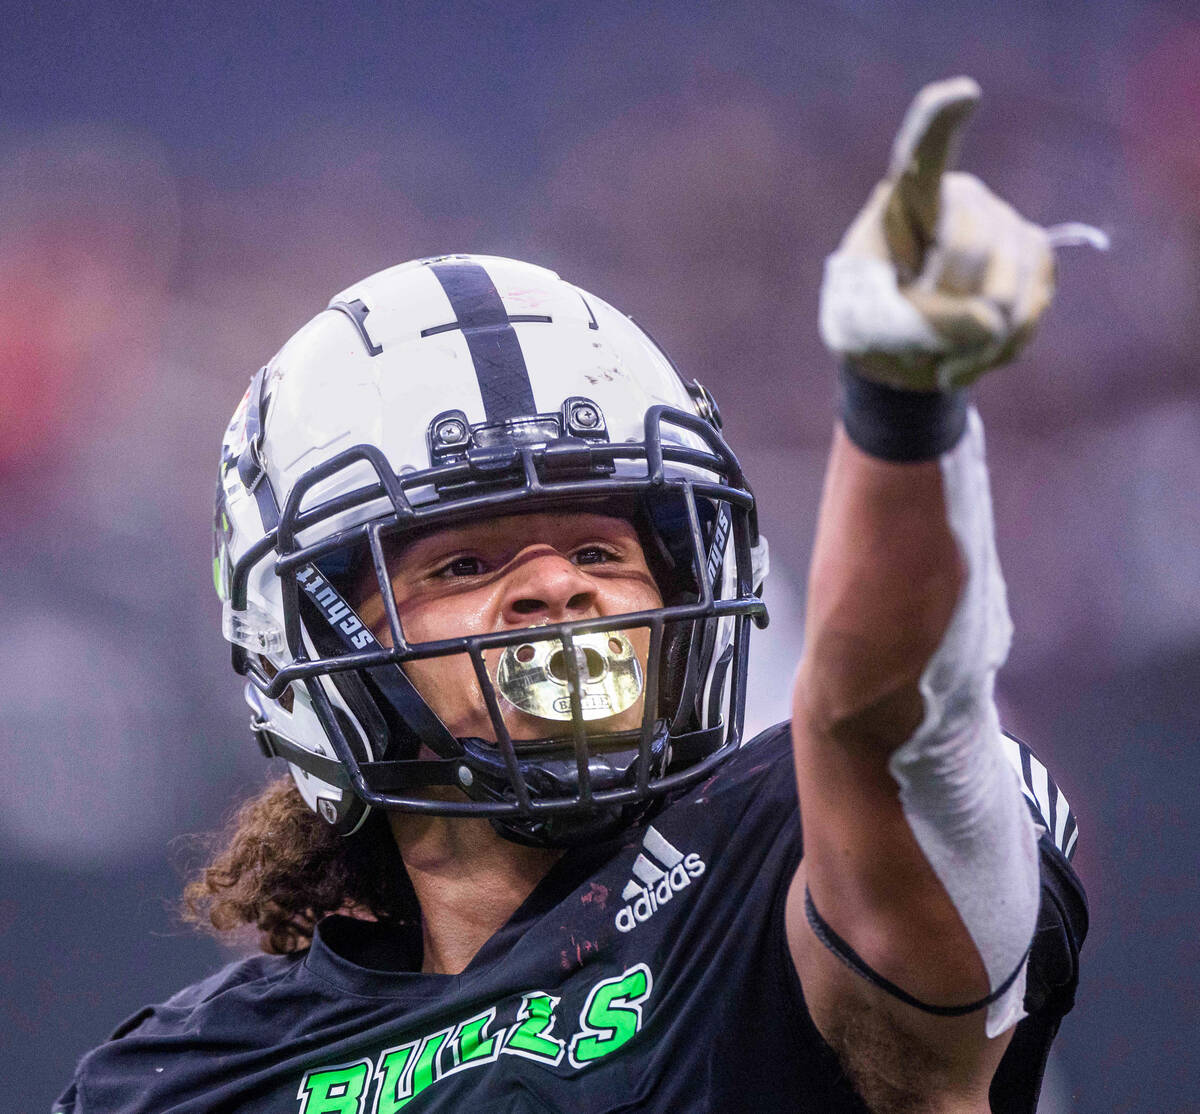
{"points": [[490, 569]]}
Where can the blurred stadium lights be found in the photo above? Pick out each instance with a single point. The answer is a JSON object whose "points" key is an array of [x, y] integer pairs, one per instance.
{"points": [[89, 234]]}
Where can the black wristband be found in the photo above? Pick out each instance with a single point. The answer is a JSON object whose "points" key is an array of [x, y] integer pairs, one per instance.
{"points": [[899, 425]]}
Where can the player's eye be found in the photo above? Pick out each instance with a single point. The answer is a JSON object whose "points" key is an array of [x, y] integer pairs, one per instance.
{"points": [[461, 566], [593, 555]]}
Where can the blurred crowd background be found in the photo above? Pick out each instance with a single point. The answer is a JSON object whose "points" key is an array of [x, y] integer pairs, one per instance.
{"points": [[182, 186]]}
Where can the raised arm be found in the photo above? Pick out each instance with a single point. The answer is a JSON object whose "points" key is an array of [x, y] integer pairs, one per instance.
{"points": [[913, 910]]}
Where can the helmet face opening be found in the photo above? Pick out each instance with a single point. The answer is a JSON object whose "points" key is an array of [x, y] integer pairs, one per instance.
{"points": [[360, 729]]}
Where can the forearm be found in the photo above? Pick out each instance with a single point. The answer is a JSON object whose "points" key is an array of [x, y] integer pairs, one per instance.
{"points": [[917, 843], [885, 577], [918, 851]]}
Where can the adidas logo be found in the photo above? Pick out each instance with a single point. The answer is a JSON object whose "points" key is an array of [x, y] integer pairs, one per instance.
{"points": [[661, 870]]}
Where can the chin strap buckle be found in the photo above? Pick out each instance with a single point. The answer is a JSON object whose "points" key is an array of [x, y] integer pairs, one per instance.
{"points": [[258, 728]]}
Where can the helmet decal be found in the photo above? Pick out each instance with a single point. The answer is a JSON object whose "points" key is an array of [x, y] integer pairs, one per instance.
{"points": [[357, 312], [495, 351]]}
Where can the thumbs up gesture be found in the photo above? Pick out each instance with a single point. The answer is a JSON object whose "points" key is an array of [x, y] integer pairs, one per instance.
{"points": [[938, 279]]}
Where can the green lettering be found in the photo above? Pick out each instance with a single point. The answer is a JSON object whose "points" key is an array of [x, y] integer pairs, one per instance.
{"points": [[612, 1015], [530, 1037], [426, 1069], [471, 1042], [401, 1078], [337, 1090], [391, 1076]]}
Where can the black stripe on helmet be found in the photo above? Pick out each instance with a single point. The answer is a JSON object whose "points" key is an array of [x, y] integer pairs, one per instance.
{"points": [[495, 351]]}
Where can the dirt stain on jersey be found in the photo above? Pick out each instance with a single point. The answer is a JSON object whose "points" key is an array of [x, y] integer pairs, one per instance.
{"points": [[597, 895], [573, 956]]}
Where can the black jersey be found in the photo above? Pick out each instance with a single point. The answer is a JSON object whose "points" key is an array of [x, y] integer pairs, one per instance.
{"points": [[649, 973]]}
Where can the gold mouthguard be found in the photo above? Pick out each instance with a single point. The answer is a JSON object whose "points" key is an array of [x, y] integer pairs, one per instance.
{"points": [[532, 676]]}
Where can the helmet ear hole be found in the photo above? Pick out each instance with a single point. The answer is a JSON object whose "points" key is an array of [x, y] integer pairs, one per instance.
{"points": [[287, 698]]}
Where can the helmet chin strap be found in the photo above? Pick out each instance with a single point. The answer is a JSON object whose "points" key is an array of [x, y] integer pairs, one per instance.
{"points": [[612, 764], [575, 829]]}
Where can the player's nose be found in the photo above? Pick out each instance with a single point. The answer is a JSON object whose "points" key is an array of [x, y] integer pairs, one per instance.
{"points": [[543, 586]]}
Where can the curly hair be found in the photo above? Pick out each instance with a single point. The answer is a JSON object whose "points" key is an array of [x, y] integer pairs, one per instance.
{"points": [[279, 868]]}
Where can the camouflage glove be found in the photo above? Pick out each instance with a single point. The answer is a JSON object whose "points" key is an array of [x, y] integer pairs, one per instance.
{"points": [[938, 279]]}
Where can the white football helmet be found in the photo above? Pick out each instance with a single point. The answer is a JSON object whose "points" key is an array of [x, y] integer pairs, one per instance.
{"points": [[464, 387]]}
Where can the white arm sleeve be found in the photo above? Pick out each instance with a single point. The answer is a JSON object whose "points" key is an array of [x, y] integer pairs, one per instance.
{"points": [[960, 794]]}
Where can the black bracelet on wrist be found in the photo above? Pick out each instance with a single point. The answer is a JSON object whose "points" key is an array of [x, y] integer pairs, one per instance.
{"points": [[899, 425]]}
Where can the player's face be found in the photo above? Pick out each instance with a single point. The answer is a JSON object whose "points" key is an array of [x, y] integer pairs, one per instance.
{"points": [[503, 574]]}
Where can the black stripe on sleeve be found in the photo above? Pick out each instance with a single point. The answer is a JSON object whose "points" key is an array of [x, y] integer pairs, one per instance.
{"points": [[1067, 847], [1052, 792]]}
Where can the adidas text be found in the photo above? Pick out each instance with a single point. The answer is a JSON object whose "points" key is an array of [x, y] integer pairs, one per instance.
{"points": [[661, 871]]}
